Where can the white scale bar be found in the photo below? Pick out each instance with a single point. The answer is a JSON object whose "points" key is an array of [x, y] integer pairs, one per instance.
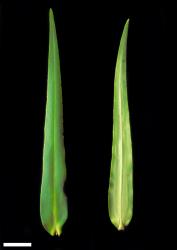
{"points": [[28, 244]]}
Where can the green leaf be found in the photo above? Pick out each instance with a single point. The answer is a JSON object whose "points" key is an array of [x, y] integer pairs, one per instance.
{"points": [[120, 194], [53, 202]]}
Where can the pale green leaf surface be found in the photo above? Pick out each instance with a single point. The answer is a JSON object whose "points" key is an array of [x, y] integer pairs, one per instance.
{"points": [[120, 194], [53, 202]]}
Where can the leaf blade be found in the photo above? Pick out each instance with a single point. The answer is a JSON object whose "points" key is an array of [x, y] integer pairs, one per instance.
{"points": [[53, 202], [120, 193]]}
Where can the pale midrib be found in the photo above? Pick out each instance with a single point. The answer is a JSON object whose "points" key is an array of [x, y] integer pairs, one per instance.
{"points": [[120, 147], [54, 112]]}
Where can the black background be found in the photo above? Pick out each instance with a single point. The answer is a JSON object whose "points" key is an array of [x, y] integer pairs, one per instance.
{"points": [[88, 36]]}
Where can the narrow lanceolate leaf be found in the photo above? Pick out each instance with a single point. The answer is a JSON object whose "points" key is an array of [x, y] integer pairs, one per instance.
{"points": [[120, 194], [53, 203]]}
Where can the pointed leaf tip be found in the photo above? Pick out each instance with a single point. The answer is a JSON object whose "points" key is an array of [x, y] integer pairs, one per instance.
{"points": [[50, 11]]}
